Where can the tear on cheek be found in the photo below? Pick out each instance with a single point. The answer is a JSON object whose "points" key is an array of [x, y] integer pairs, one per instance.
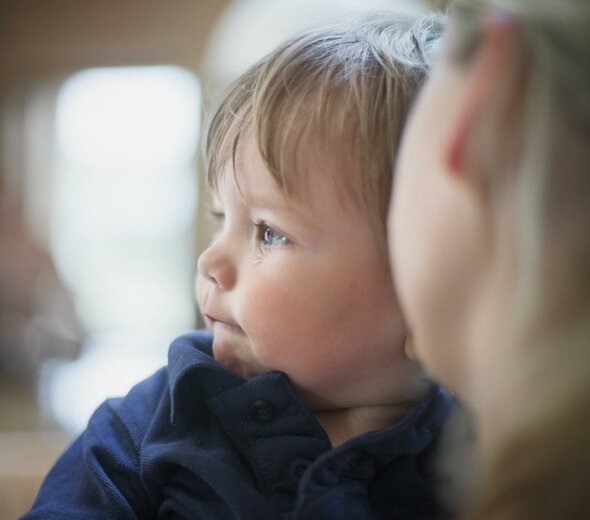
{"points": [[409, 348]]}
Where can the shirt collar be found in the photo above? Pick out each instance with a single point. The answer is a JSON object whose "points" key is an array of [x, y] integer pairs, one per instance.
{"points": [[362, 456], [194, 374]]}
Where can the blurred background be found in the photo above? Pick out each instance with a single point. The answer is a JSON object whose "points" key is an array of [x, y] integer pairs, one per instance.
{"points": [[101, 202]]}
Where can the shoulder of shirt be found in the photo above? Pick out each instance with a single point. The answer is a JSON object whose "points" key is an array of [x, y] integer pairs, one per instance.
{"points": [[151, 399], [142, 405]]}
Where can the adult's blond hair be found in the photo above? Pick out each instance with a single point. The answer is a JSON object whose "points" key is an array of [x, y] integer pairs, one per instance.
{"points": [[336, 95], [538, 180]]}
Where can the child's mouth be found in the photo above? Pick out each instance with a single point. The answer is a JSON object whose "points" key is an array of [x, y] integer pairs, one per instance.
{"points": [[214, 320]]}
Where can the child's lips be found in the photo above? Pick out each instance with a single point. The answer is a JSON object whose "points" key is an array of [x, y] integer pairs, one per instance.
{"points": [[222, 321]]}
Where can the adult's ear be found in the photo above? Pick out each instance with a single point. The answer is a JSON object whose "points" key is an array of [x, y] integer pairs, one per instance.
{"points": [[484, 75]]}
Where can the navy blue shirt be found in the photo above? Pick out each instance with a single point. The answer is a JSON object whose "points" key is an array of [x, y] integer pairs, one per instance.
{"points": [[197, 441]]}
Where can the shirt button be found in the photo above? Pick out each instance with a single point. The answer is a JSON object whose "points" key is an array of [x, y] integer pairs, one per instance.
{"points": [[262, 411], [358, 465], [297, 469]]}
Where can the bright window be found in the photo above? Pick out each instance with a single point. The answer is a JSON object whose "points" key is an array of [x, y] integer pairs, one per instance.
{"points": [[124, 200]]}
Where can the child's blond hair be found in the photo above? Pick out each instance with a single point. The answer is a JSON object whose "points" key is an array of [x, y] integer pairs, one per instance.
{"points": [[337, 95], [538, 179]]}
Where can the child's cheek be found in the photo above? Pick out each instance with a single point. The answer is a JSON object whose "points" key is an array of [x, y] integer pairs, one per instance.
{"points": [[267, 331], [277, 323]]}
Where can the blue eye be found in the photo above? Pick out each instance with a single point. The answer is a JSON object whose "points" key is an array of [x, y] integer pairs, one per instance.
{"points": [[270, 237]]}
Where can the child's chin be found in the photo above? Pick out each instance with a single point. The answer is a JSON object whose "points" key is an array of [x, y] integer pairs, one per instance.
{"points": [[232, 357]]}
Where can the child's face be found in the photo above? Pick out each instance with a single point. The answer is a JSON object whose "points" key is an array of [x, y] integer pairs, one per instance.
{"points": [[300, 285]]}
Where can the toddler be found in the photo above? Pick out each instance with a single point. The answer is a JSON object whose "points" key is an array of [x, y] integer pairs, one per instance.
{"points": [[300, 402]]}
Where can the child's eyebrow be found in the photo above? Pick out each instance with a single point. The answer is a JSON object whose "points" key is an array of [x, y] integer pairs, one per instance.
{"points": [[256, 198], [261, 202], [215, 215], [281, 205]]}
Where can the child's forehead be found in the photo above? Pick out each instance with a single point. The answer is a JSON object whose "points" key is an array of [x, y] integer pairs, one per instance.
{"points": [[316, 203], [297, 169], [318, 192]]}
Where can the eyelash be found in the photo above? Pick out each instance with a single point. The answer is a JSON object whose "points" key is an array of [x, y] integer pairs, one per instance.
{"points": [[216, 216], [266, 233]]}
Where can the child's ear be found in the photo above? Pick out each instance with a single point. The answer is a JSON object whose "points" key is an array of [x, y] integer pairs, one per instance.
{"points": [[483, 75]]}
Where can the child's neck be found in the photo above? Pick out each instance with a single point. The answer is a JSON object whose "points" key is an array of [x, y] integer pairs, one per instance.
{"points": [[344, 424]]}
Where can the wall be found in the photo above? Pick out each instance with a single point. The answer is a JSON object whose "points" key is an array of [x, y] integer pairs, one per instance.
{"points": [[41, 42]]}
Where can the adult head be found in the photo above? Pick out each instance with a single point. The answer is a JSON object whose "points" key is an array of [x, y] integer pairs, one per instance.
{"points": [[491, 247]]}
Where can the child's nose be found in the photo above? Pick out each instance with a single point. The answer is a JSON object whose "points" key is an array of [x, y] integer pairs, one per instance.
{"points": [[215, 264]]}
